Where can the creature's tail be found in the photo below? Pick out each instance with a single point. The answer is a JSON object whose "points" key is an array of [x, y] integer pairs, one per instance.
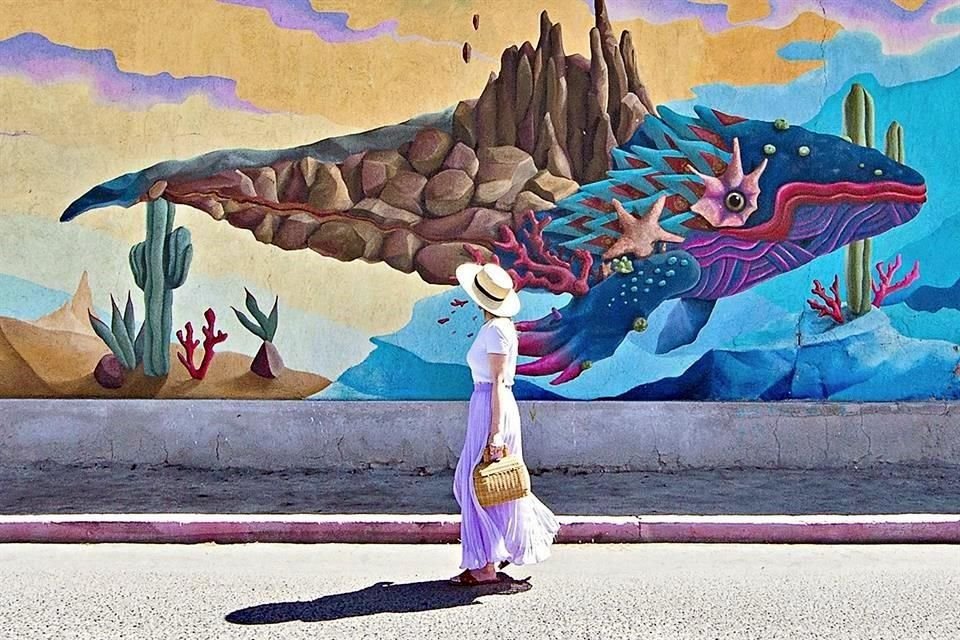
{"points": [[123, 191]]}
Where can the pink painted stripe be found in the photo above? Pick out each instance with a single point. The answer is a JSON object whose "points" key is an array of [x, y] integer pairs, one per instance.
{"points": [[231, 531], [889, 533], [419, 529]]}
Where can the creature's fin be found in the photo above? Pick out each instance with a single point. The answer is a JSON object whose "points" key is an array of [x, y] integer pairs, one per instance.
{"points": [[684, 323]]}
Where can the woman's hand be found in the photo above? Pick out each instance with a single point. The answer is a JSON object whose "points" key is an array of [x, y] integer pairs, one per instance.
{"points": [[492, 453], [496, 448]]}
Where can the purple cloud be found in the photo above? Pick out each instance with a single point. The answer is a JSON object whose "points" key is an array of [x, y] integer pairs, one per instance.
{"points": [[900, 30], [327, 25], [42, 61]]}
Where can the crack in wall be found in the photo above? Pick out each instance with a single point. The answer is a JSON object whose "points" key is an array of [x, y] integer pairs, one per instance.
{"points": [[863, 430], [823, 52], [776, 438], [826, 440]]}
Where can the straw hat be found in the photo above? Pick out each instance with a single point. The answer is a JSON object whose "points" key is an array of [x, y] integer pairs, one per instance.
{"points": [[490, 287]]}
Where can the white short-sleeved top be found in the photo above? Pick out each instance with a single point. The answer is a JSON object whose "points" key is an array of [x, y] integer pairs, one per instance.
{"points": [[495, 336]]}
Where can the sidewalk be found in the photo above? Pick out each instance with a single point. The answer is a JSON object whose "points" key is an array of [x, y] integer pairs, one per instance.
{"points": [[165, 504], [56, 489]]}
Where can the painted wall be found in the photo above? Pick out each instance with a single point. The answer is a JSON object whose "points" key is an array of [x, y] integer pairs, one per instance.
{"points": [[676, 186]]}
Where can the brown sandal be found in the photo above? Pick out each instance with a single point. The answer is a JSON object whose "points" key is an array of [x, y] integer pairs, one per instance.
{"points": [[467, 579]]}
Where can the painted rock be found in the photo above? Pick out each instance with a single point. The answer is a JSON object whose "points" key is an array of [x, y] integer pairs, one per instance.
{"points": [[267, 363], [109, 373], [429, 148], [448, 192]]}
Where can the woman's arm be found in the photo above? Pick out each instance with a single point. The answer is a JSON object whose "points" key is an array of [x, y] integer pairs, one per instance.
{"points": [[498, 365]]}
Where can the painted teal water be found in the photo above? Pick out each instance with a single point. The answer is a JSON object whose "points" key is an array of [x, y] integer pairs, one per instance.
{"points": [[25, 300]]}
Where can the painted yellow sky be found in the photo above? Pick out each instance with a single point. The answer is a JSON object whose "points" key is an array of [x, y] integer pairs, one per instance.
{"points": [[910, 5], [379, 81]]}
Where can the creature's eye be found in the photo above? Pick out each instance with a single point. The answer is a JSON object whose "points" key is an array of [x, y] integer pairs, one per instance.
{"points": [[735, 202]]}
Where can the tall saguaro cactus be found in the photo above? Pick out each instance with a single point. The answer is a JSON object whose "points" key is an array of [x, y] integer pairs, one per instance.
{"points": [[858, 125], [160, 264]]}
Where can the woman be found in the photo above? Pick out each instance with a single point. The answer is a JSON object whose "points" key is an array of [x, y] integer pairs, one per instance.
{"points": [[520, 531]]}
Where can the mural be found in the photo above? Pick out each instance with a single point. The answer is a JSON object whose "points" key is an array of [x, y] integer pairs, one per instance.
{"points": [[698, 200]]}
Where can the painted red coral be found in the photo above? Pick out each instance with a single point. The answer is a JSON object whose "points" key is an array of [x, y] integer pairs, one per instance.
{"points": [[832, 305], [210, 340], [536, 265], [887, 286]]}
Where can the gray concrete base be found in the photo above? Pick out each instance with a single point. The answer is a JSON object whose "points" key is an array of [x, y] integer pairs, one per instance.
{"points": [[411, 435]]}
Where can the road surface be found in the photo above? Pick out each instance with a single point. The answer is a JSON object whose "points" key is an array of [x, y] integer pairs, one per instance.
{"points": [[346, 592], [51, 488]]}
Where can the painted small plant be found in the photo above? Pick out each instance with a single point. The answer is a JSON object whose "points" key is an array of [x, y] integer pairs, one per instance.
{"points": [[831, 307], [267, 363], [211, 338], [123, 339], [887, 286]]}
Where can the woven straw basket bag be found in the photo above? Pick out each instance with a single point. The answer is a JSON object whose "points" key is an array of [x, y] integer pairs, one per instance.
{"points": [[501, 481]]}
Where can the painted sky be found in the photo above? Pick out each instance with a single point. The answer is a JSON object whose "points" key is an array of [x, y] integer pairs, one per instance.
{"points": [[362, 64], [903, 26]]}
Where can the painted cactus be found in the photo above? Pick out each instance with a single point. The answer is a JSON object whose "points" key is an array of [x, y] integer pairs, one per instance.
{"points": [[895, 145], [858, 121], [267, 363], [160, 264]]}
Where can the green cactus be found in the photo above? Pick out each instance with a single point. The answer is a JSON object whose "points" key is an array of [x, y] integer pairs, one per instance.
{"points": [[858, 116], [895, 146], [159, 265], [858, 125], [262, 326], [121, 337]]}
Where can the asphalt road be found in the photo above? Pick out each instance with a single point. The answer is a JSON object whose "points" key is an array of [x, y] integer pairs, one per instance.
{"points": [[345, 592], [61, 489]]}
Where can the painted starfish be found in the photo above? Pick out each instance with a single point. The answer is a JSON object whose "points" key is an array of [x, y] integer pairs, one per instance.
{"points": [[640, 235], [731, 198]]}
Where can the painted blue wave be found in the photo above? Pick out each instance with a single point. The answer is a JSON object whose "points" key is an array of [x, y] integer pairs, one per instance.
{"points": [[864, 360]]}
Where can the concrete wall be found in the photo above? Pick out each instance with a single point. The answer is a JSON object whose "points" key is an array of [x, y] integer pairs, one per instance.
{"points": [[404, 435]]}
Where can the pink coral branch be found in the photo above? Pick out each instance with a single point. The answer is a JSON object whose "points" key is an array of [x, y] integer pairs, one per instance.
{"points": [[887, 286], [540, 267], [210, 340], [832, 307]]}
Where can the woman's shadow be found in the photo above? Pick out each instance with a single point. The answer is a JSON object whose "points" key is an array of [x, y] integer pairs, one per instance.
{"points": [[382, 597]]}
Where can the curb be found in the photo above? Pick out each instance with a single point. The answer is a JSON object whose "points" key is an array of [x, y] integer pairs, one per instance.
{"points": [[445, 529]]}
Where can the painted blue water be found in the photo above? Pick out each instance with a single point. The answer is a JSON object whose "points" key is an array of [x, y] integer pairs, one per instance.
{"points": [[25, 300]]}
